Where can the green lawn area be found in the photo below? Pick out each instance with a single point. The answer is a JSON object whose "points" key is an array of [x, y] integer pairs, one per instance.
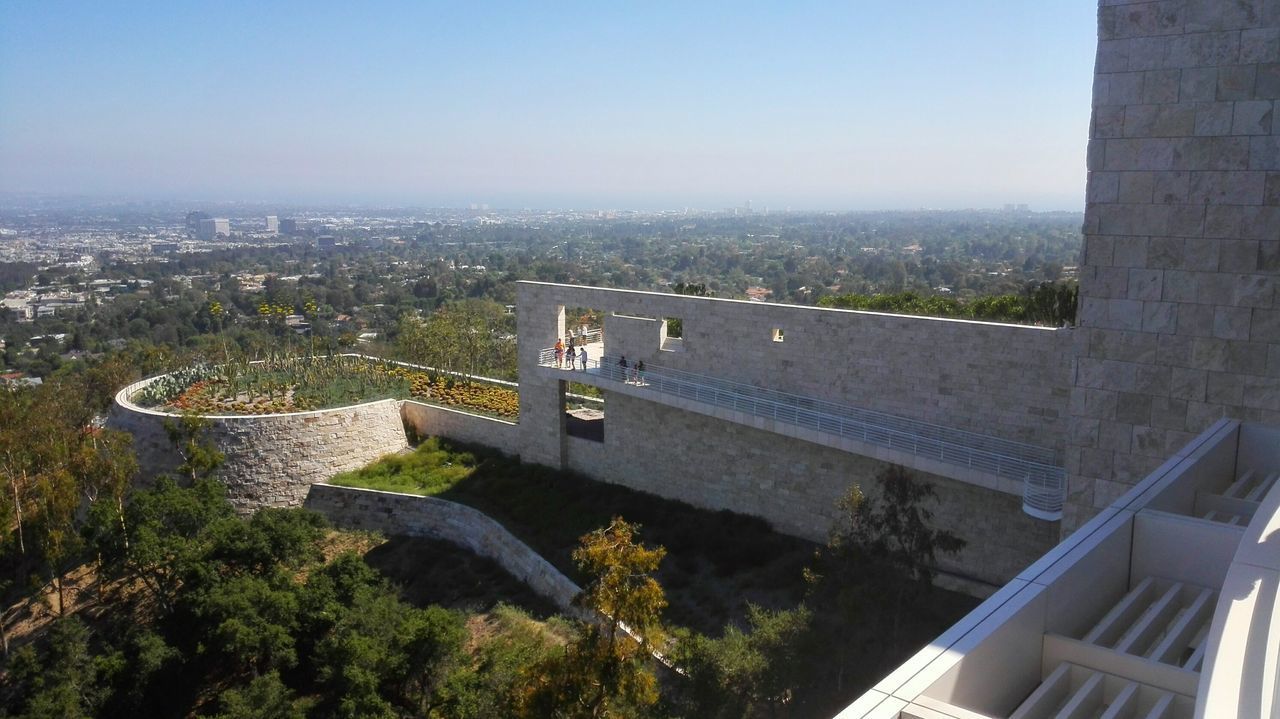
{"points": [[434, 467]]}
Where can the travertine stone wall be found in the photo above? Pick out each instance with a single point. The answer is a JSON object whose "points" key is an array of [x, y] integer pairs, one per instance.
{"points": [[793, 484], [414, 516], [1178, 318], [542, 417], [622, 331], [1004, 380], [431, 420], [272, 460]]}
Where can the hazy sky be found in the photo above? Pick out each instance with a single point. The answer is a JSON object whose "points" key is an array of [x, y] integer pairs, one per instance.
{"points": [[844, 104]]}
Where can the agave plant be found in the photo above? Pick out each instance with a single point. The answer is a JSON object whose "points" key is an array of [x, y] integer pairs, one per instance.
{"points": [[167, 387]]}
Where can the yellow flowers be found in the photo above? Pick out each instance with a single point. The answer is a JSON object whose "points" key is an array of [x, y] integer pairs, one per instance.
{"points": [[500, 401]]}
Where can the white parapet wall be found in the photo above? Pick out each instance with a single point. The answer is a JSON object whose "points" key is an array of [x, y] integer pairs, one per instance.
{"points": [[269, 460]]}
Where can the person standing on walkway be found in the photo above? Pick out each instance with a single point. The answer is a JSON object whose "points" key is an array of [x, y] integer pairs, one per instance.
{"points": [[571, 352], [582, 355], [640, 372], [559, 352], [622, 368]]}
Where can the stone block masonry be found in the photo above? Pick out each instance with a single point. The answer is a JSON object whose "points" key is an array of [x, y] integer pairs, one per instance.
{"points": [[1009, 381], [414, 516], [429, 420], [794, 485], [271, 460], [1179, 320]]}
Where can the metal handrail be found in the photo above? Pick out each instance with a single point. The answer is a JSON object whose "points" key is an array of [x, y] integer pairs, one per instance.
{"points": [[1044, 482], [594, 334]]}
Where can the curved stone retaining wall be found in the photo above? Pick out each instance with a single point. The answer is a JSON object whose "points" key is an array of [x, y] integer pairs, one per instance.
{"points": [[416, 516], [271, 460]]}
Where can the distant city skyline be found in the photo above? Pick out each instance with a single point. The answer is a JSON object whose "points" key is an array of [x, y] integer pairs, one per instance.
{"points": [[660, 106]]}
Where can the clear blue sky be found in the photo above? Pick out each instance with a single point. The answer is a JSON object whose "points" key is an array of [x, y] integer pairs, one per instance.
{"points": [[834, 105]]}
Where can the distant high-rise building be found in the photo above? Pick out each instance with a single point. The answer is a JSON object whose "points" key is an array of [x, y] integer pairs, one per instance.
{"points": [[288, 226], [273, 223], [326, 242], [193, 220], [210, 228]]}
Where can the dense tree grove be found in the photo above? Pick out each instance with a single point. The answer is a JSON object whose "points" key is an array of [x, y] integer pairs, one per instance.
{"points": [[472, 337], [240, 615], [1048, 303], [194, 609], [163, 602]]}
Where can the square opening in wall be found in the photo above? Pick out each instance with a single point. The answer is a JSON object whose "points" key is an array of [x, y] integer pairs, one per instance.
{"points": [[777, 334]]}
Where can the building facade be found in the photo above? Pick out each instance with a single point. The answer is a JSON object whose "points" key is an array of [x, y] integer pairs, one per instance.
{"points": [[211, 228], [1178, 318], [776, 410]]}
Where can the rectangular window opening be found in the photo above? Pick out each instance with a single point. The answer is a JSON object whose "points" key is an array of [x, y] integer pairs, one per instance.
{"points": [[777, 335], [673, 337], [584, 411]]}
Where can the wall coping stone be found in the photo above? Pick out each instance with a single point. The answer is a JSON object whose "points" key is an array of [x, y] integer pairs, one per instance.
{"points": [[791, 307], [465, 413]]}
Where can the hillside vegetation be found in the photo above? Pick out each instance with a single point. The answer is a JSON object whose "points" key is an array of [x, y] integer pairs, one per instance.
{"points": [[161, 602], [764, 624], [1050, 303]]}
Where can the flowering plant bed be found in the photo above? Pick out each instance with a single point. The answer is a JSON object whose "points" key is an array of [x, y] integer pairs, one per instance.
{"points": [[298, 384], [503, 402]]}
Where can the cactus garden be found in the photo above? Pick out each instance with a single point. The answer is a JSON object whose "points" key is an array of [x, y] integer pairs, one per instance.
{"points": [[281, 384]]}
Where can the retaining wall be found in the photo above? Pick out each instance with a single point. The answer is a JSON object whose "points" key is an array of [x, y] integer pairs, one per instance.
{"points": [[792, 484], [431, 420], [271, 460], [415, 516]]}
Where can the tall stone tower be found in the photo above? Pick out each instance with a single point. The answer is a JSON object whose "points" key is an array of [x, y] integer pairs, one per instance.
{"points": [[1179, 322]]}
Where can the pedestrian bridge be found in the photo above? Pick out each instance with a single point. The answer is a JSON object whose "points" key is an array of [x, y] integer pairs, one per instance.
{"points": [[1003, 465]]}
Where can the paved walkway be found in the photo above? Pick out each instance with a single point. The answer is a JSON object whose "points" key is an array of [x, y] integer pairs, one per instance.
{"points": [[595, 350]]}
